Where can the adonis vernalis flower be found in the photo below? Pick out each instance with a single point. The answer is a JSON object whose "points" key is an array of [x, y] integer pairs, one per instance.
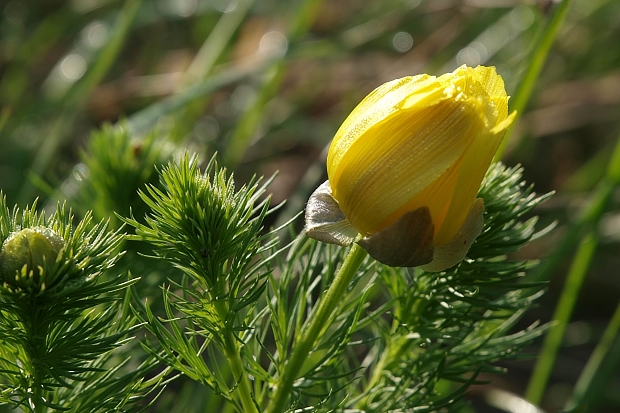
{"points": [[405, 167]]}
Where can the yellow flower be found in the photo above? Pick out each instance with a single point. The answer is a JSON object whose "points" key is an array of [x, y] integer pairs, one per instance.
{"points": [[412, 155]]}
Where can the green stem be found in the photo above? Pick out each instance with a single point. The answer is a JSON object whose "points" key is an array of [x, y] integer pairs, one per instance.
{"points": [[388, 357], [37, 397], [312, 331], [233, 355], [36, 330], [244, 390]]}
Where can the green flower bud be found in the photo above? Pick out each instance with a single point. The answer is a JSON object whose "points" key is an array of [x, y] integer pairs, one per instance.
{"points": [[26, 253]]}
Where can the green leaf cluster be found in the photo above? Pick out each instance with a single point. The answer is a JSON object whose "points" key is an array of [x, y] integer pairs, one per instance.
{"points": [[404, 339], [455, 324], [398, 339], [236, 308], [114, 166], [60, 324], [211, 231]]}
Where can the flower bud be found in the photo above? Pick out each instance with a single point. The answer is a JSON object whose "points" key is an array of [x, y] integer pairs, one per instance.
{"points": [[405, 166], [26, 254]]}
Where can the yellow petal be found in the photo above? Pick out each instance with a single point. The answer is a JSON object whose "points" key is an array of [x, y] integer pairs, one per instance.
{"points": [[419, 142], [396, 160], [456, 249], [473, 167], [376, 107]]}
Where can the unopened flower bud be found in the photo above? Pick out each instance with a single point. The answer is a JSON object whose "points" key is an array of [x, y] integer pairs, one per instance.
{"points": [[25, 255], [405, 167]]}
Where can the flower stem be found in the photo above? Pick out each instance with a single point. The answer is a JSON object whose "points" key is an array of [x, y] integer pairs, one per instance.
{"points": [[233, 355], [36, 399], [311, 332], [245, 389], [36, 329]]}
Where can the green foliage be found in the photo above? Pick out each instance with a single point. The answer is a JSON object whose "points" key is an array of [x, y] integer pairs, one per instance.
{"points": [[115, 166], [394, 337], [68, 66], [212, 233], [327, 374], [389, 345], [206, 228], [60, 324]]}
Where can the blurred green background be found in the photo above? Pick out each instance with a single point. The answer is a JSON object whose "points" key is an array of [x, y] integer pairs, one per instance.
{"points": [[266, 83]]}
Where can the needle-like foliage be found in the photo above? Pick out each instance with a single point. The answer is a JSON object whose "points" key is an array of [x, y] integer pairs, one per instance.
{"points": [[114, 166], [397, 340], [61, 319], [400, 336], [210, 231]]}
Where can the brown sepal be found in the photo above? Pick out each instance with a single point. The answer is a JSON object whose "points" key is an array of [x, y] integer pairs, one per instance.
{"points": [[406, 243]]}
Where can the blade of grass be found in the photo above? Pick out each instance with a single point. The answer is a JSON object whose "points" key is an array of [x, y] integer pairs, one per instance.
{"points": [[553, 340], [106, 57], [247, 125], [5, 114], [201, 66], [588, 216], [536, 62], [80, 91], [214, 45], [142, 121], [590, 172], [576, 275], [29, 53], [600, 365]]}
